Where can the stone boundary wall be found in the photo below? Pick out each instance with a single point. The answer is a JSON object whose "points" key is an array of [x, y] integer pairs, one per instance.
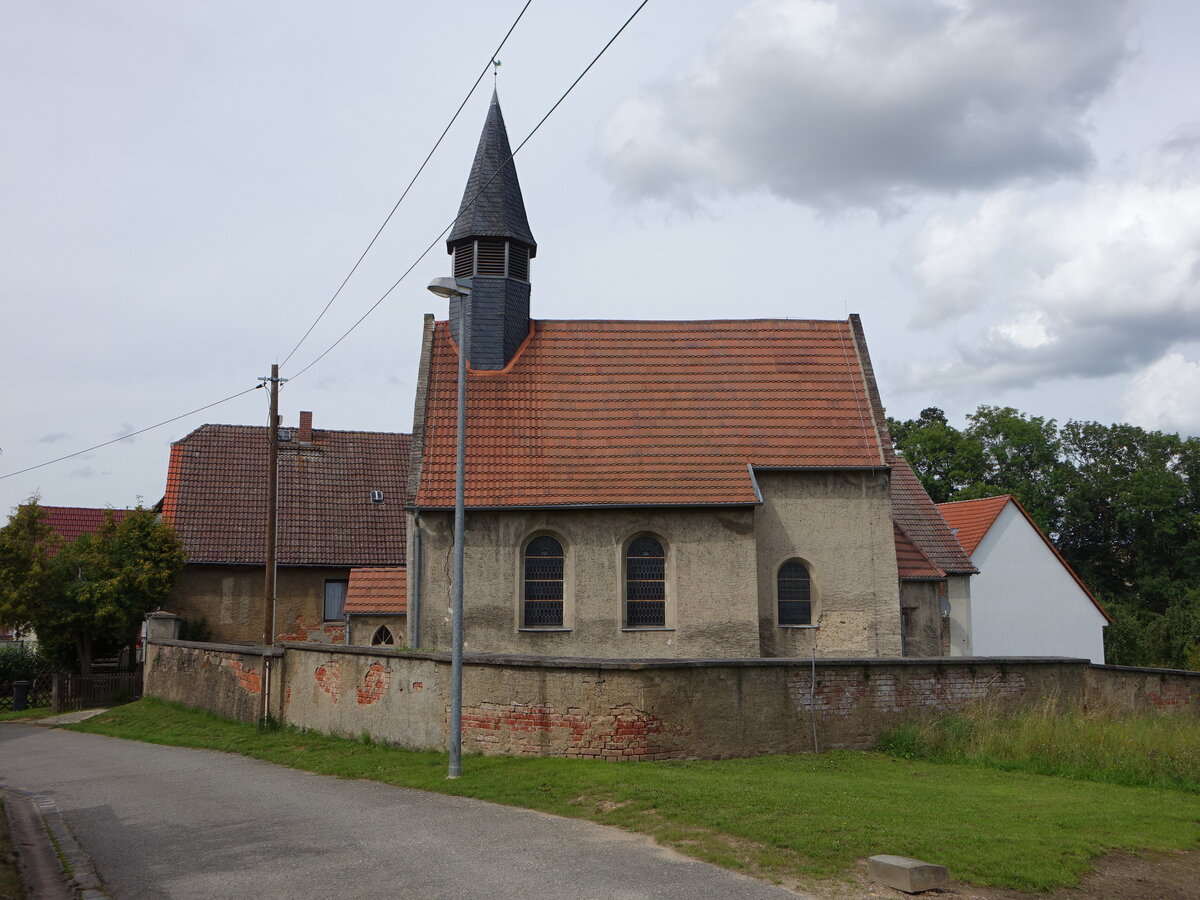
{"points": [[637, 709], [225, 679]]}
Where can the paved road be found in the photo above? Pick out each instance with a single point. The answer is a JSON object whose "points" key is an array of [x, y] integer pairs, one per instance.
{"points": [[167, 822]]}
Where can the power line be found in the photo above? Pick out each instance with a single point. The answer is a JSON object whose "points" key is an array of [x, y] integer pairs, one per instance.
{"points": [[125, 437], [500, 169], [491, 61]]}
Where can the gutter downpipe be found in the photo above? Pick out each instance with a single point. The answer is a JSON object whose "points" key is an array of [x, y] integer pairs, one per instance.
{"points": [[415, 583]]}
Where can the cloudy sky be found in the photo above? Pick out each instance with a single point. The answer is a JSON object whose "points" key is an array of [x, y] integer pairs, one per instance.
{"points": [[1007, 191]]}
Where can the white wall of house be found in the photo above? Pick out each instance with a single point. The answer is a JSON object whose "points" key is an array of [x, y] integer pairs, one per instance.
{"points": [[1024, 602]]}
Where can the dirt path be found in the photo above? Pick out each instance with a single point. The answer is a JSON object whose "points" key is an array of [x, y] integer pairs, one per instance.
{"points": [[1117, 876]]}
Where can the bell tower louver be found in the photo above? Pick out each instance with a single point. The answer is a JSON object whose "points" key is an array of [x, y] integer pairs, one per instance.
{"points": [[492, 245]]}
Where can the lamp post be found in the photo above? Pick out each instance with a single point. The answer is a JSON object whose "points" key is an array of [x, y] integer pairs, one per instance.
{"points": [[451, 288]]}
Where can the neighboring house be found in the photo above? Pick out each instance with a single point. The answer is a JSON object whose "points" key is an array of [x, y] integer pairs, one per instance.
{"points": [[69, 523], [376, 606], [657, 489], [341, 506], [935, 572], [1026, 601]]}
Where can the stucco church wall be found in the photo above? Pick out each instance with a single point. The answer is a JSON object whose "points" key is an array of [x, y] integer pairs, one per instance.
{"points": [[840, 525], [712, 606], [638, 709], [229, 599]]}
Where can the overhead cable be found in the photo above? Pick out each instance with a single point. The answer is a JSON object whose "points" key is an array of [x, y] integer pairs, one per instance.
{"points": [[491, 61], [467, 205]]}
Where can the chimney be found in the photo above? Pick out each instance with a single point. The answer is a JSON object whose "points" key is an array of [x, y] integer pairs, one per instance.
{"points": [[304, 435]]}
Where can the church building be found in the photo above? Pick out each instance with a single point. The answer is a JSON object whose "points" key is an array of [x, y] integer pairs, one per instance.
{"points": [[645, 489]]}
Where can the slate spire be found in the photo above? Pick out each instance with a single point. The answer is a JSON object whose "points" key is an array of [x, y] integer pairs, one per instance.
{"points": [[492, 246], [499, 211]]}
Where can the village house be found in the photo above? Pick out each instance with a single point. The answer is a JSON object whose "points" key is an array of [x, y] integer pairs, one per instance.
{"points": [[1026, 601], [661, 489], [341, 539]]}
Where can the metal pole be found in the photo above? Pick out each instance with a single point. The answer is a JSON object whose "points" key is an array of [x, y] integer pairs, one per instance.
{"points": [[459, 536], [272, 511]]}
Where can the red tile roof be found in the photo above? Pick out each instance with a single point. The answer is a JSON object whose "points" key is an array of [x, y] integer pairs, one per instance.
{"points": [[916, 514], [648, 413], [377, 591], [974, 518], [911, 561], [69, 522], [216, 497], [971, 519]]}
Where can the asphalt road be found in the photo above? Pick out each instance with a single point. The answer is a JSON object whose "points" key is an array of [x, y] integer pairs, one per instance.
{"points": [[168, 822]]}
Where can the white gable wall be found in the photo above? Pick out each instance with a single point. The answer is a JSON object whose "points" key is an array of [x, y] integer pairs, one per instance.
{"points": [[1024, 603]]}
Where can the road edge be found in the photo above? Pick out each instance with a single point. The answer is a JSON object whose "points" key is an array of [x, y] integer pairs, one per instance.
{"points": [[51, 862]]}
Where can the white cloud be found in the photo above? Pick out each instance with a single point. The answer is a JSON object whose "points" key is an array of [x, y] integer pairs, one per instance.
{"points": [[1164, 395], [1100, 282], [865, 103]]}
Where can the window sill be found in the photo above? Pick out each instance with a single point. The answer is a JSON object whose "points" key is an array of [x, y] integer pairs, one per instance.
{"points": [[814, 627], [547, 629], [649, 628]]}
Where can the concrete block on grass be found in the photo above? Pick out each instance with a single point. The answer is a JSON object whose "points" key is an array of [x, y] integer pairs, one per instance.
{"points": [[909, 875]]}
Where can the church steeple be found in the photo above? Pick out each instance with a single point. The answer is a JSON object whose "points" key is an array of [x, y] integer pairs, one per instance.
{"points": [[491, 244]]}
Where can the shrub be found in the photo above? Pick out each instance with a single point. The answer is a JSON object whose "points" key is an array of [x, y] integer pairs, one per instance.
{"points": [[20, 663]]}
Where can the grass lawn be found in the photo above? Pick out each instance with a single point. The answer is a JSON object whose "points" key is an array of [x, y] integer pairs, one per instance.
{"points": [[790, 818], [40, 712]]}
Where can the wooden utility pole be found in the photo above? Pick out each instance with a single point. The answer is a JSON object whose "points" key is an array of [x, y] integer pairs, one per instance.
{"points": [[272, 510], [272, 529]]}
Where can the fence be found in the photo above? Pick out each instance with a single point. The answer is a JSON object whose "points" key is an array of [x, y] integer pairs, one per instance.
{"points": [[71, 692], [41, 692]]}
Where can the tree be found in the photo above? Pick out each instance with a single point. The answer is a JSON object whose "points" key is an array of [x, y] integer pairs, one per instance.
{"points": [[943, 458], [96, 589]]}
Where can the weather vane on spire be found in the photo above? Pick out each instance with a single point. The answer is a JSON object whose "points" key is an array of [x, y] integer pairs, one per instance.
{"points": [[496, 69]]}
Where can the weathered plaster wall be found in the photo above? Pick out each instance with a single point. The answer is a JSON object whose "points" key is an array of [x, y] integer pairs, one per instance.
{"points": [[958, 588], [921, 618], [224, 679], [840, 525], [712, 606], [363, 628], [229, 599], [637, 709]]}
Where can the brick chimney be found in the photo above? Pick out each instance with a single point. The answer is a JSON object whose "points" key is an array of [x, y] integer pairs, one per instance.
{"points": [[304, 433]]}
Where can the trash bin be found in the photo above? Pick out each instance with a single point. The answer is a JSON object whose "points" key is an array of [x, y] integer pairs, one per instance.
{"points": [[20, 695]]}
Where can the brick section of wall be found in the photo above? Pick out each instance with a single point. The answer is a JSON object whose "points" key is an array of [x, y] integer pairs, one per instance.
{"points": [[314, 632], [1128, 689], [521, 729]]}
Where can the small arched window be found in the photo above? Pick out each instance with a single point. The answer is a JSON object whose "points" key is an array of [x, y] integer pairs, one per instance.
{"points": [[645, 583], [382, 637], [795, 594], [543, 606]]}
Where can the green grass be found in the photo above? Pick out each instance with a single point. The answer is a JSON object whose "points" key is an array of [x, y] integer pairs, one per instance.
{"points": [[793, 818], [1160, 751], [39, 713]]}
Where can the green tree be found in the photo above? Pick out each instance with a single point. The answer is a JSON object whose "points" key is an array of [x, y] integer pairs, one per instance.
{"points": [[943, 458], [94, 590]]}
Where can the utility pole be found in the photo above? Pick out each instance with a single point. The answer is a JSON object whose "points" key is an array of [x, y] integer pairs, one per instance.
{"points": [[272, 529]]}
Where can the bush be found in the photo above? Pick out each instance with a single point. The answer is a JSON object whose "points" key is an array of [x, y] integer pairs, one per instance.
{"points": [[20, 663]]}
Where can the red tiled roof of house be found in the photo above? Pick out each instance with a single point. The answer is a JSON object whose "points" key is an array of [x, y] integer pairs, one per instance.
{"points": [[70, 522], [216, 497], [974, 518], [919, 517], [911, 561], [377, 591], [971, 519], [648, 413]]}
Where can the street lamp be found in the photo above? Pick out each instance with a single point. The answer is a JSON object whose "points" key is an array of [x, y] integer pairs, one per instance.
{"points": [[451, 288]]}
